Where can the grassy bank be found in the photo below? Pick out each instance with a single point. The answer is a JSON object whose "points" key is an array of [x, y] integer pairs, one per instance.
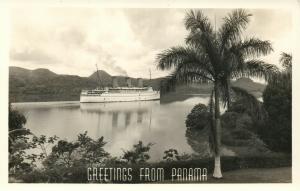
{"points": [[252, 175]]}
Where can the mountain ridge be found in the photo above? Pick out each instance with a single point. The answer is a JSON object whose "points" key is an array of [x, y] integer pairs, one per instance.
{"points": [[44, 85]]}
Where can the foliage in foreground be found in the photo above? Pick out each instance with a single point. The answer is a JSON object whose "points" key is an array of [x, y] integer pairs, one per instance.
{"points": [[78, 174], [139, 154], [278, 102]]}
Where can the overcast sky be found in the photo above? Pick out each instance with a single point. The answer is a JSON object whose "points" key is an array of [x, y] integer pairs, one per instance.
{"points": [[120, 41]]}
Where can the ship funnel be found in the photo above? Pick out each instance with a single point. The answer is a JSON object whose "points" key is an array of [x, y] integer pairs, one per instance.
{"points": [[140, 82], [114, 82], [128, 81]]}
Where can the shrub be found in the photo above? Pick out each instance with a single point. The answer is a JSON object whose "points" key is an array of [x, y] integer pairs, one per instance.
{"points": [[199, 141], [84, 151], [173, 155], [198, 134], [199, 117], [244, 121], [241, 134], [139, 153], [228, 120]]}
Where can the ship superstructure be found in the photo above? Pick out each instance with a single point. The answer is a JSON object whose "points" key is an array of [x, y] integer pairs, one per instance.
{"points": [[120, 94]]}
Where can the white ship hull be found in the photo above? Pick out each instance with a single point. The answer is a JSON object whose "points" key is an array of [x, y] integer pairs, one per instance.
{"points": [[120, 97]]}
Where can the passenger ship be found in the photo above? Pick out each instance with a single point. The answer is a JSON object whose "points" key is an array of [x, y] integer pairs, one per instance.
{"points": [[119, 94]]}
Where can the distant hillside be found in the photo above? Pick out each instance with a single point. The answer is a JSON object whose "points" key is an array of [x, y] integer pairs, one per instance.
{"points": [[183, 92], [249, 85], [44, 85]]}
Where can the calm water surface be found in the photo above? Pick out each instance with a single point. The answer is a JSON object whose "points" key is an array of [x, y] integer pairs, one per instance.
{"points": [[121, 124]]}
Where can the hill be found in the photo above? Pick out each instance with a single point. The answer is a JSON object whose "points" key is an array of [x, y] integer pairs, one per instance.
{"points": [[104, 77], [44, 85], [250, 85]]}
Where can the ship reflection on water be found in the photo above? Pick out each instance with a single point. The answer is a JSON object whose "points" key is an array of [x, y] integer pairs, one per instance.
{"points": [[121, 114], [115, 118]]}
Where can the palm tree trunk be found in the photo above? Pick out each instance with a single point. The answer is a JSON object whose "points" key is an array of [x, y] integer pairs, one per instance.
{"points": [[217, 168], [227, 92]]}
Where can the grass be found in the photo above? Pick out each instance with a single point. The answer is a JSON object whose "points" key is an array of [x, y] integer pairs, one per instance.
{"points": [[252, 175], [257, 175]]}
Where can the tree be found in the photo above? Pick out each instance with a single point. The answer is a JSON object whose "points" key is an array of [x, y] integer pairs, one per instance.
{"points": [[217, 56], [20, 162], [18, 142], [277, 97]]}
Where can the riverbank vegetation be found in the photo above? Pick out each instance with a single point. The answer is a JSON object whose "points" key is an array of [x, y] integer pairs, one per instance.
{"points": [[67, 161]]}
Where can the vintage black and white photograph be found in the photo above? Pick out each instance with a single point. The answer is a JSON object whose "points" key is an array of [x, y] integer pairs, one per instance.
{"points": [[150, 95]]}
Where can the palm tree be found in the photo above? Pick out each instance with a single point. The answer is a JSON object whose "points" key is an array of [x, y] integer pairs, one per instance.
{"points": [[286, 61], [217, 56]]}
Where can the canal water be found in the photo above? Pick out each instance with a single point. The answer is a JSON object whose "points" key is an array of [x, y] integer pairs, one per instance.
{"points": [[121, 124]]}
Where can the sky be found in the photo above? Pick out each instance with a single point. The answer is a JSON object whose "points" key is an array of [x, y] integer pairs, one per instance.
{"points": [[72, 40]]}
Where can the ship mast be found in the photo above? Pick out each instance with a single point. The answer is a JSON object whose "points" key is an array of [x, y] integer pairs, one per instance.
{"points": [[98, 77], [150, 77]]}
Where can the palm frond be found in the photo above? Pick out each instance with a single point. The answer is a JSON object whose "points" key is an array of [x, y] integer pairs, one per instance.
{"points": [[201, 35], [205, 43], [195, 20], [252, 47], [286, 60], [187, 58], [174, 56], [186, 73], [233, 25], [256, 68], [231, 61], [190, 74]]}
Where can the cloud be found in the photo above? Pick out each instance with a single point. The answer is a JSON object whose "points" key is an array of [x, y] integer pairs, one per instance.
{"points": [[105, 60], [270, 23], [157, 28], [72, 36], [32, 55], [70, 40]]}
